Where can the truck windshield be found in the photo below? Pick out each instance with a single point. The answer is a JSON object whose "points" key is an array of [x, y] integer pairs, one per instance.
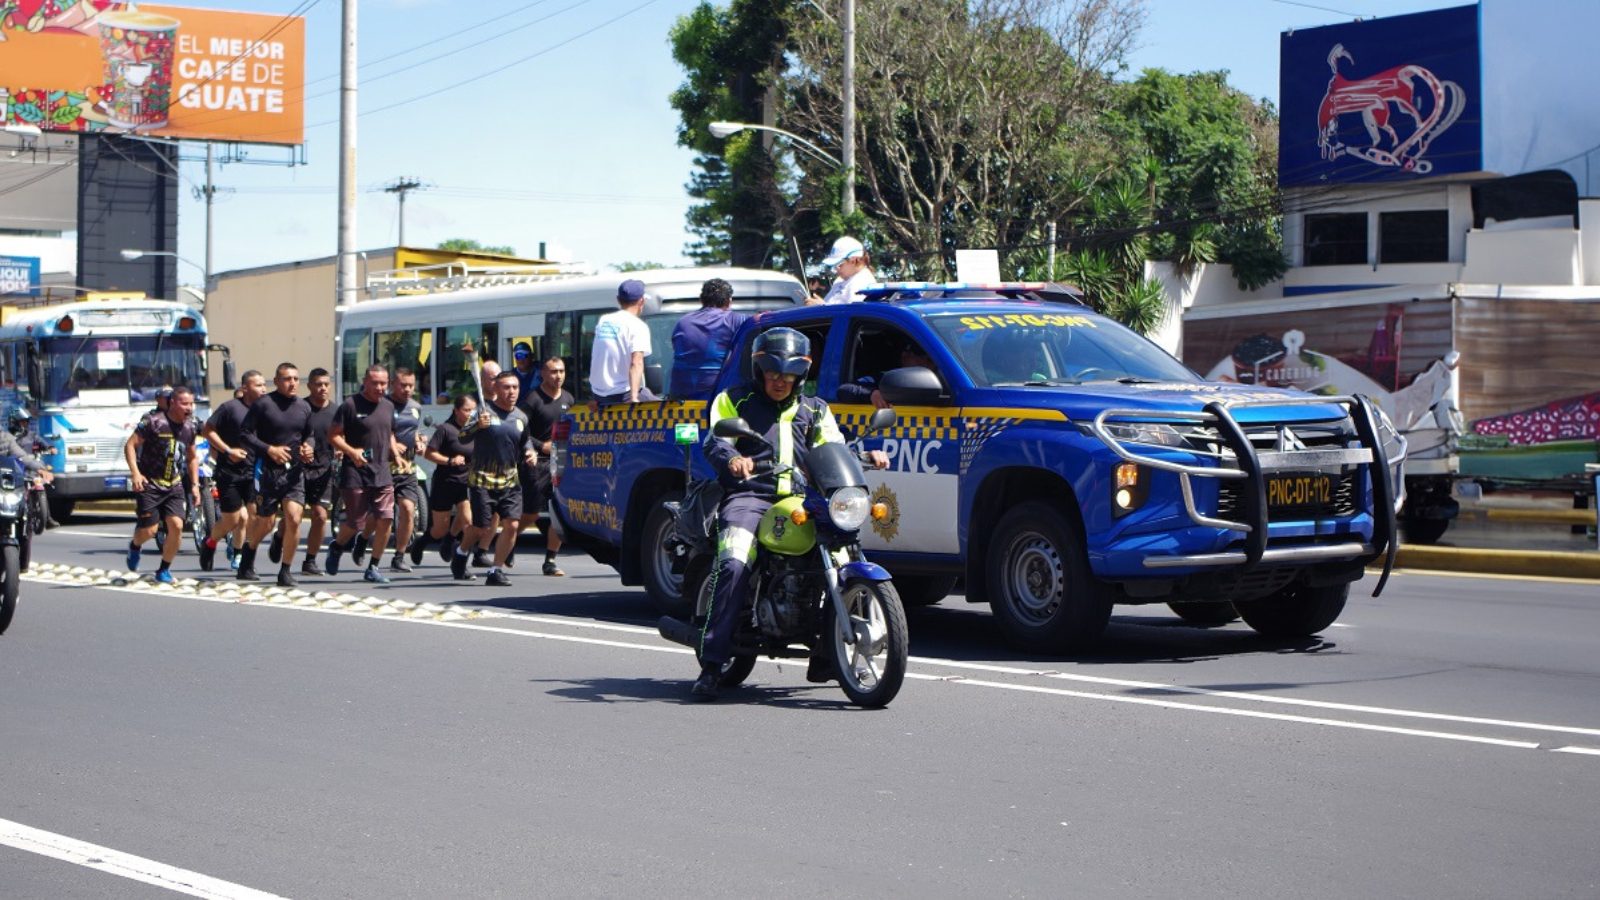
{"points": [[1023, 346], [116, 371]]}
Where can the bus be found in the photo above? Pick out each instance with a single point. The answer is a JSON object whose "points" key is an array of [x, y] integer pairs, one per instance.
{"points": [[87, 371], [428, 324]]}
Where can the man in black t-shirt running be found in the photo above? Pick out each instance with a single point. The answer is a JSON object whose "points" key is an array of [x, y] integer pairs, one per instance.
{"points": [[161, 459], [233, 470], [278, 430], [499, 446], [319, 474], [544, 407], [363, 433], [447, 491]]}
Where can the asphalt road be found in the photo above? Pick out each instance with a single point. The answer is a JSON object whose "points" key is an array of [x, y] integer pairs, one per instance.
{"points": [[536, 741]]}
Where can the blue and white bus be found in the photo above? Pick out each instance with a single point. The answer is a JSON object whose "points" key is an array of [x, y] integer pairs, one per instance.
{"points": [[87, 371]]}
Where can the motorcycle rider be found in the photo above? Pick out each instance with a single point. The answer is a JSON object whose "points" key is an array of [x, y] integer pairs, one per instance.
{"points": [[19, 423], [772, 405]]}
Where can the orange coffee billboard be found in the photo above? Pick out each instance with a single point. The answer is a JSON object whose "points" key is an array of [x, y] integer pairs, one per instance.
{"points": [[170, 71]]}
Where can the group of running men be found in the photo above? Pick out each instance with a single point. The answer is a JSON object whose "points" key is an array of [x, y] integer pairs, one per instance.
{"points": [[277, 455]]}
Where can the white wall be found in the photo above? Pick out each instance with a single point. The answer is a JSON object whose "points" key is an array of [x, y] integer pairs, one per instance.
{"points": [[56, 254], [1589, 239], [1543, 256]]}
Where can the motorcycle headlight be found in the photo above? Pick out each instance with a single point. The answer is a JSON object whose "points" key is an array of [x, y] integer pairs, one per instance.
{"points": [[848, 508], [10, 503]]}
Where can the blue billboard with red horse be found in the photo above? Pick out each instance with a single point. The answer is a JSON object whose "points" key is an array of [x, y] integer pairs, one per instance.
{"points": [[1381, 100]]}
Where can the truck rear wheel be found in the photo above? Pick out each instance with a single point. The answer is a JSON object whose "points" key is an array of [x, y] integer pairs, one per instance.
{"points": [[655, 561], [1040, 588], [1296, 611]]}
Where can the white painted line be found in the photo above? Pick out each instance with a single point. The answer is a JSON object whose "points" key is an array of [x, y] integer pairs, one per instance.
{"points": [[123, 865], [79, 532], [1585, 751], [1259, 698]]}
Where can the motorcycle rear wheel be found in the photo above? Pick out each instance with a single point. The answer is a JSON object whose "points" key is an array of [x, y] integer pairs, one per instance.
{"points": [[870, 670], [9, 585]]}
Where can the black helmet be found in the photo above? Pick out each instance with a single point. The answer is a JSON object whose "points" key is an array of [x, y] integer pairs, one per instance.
{"points": [[781, 350], [19, 421]]}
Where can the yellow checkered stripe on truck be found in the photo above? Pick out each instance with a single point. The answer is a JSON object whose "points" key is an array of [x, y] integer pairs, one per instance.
{"points": [[639, 416], [910, 424]]}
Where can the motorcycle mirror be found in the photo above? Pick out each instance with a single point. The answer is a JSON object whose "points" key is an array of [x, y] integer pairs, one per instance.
{"points": [[881, 419], [230, 379], [734, 428]]}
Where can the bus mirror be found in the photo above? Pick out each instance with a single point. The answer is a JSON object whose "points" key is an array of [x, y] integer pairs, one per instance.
{"points": [[230, 379], [654, 380]]}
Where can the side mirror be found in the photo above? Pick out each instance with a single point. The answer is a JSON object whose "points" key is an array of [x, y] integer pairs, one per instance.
{"points": [[427, 421], [734, 428], [654, 380], [881, 419], [912, 385], [230, 378]]}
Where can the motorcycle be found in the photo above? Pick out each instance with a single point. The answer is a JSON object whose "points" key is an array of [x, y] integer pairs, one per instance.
{"points": [[16, 535], [810, 583]]}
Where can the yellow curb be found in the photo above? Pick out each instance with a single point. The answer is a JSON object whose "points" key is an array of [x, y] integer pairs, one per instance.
{"points": [[1545, 516], [1544, 563]]}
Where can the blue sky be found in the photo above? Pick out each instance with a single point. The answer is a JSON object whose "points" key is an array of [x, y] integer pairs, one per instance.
{"points": [[574, 142]]}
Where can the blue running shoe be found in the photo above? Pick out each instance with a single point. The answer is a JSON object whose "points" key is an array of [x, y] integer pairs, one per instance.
{"points": [[376, 577], [133, 558], [165, 576]]}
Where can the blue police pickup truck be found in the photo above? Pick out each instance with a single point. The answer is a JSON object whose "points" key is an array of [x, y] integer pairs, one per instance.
{"points": [[1047, 458]]}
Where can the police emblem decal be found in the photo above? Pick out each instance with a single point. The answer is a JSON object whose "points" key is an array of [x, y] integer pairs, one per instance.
{"points": [[887, 527]]}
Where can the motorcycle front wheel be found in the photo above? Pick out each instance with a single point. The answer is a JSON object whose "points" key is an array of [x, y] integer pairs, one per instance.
{"points": [[872, 667], [9, 585]]}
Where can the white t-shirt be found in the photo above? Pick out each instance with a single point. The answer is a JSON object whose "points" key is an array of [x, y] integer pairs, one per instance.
{"points": [[848, 290], [617, 336]]}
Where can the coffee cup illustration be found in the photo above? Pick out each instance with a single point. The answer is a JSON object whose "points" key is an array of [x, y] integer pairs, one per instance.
{"points": [[138, 49]]}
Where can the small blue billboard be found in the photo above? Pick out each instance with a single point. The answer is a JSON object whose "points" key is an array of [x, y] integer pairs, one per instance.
{"points": [[1387, 99], [19, 276]]}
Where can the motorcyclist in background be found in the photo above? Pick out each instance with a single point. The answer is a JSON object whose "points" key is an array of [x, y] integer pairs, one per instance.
{"points": [[772, 405], [19, 425]]}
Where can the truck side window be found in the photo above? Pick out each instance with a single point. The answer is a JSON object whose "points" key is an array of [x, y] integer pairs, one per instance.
{"points": [[876, 348], [815, 332]]}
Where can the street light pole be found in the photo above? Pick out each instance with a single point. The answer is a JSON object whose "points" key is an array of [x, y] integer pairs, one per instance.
{"points": [[346, 262], [724, 129], [847, 92]]}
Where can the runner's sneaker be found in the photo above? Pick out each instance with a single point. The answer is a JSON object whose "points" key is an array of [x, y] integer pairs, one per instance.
{"points": [[418, 546], [497, 578], [373, 575], [286, 578], [164, 576], [358, 550], [458, 569], [447, 548], [310, 567], [275, 549], [481, 559], [334, 552], [399, 564], [208, 554], [133, 557], [550, 568]]}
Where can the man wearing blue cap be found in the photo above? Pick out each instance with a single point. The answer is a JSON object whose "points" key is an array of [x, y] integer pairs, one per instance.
{"points": [[850, 263], [621, 342], [527, 368]]}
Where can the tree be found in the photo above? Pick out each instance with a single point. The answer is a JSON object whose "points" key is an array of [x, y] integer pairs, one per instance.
{"points": [[978, 119], [731, 57], [636, 266], [468, 245]]}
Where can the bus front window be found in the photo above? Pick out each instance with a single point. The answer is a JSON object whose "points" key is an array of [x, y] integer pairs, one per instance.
{"points": [[165, 361], [116, 371]]}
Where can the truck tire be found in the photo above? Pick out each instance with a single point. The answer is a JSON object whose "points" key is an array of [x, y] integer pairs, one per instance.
{"points": [[923, 590], [1297, 611], [1423, 531], [655, 565], [1040, 588], [1205, 615]]}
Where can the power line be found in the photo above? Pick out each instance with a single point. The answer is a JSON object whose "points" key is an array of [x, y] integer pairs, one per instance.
{"points": [[1330, 9]]}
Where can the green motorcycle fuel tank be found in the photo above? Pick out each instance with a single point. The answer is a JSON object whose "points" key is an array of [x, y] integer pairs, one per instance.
{"points": [[778, 532]]}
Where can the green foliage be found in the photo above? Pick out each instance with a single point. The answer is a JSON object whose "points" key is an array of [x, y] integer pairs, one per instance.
{"points": [[636, 266], [1141, 305], [467, 245]]}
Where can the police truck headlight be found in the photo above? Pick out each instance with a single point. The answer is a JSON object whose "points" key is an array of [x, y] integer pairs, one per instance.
{"points": [[849, 507]]}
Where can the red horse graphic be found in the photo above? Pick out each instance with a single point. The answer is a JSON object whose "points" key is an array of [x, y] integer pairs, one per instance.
{"points": [[1377, 98]]}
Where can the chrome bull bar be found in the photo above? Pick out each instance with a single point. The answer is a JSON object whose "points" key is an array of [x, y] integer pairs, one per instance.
{"points": [[1251, 466]]}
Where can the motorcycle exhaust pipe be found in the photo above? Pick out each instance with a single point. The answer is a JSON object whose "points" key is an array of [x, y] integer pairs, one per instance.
{"points": [[678, 631]]}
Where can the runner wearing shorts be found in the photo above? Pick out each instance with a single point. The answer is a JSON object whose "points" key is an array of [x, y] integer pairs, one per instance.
{"points": [[363, 433], [544, 407], [233, 474], [278, 430], [320, 475], [160, 453], [447, 494], [408, 499], [500, 444]]}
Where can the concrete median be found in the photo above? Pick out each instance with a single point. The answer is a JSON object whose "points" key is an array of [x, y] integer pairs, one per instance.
{"points": [[1543, 563]]}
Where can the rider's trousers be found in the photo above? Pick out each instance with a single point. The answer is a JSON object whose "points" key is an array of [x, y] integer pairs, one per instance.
{"points": [[737, 521]]}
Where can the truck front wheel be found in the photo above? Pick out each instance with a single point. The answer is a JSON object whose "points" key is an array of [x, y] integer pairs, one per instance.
{"points": [[1297, 611], [1040, 588], [655, 561]]}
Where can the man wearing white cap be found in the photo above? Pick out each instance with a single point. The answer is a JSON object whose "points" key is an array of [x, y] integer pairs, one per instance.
{"points": [[850, 263]]}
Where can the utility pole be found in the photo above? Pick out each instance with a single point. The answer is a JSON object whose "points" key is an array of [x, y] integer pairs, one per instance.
{"points": [[208, 192], [1052, 251], [400, 187], [345, 292], [847, 91]]}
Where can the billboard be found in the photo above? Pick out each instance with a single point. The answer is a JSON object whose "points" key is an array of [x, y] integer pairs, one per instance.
{"points": [[19, 276], [172, 71], [1381, 100]]}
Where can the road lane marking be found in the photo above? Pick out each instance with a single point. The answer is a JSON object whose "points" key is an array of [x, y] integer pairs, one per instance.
{"points": [[142, 588], [123, 865], [1585, 751]]}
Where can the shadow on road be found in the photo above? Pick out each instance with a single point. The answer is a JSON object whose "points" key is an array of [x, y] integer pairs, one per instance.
{"points": [[655, 690]]}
